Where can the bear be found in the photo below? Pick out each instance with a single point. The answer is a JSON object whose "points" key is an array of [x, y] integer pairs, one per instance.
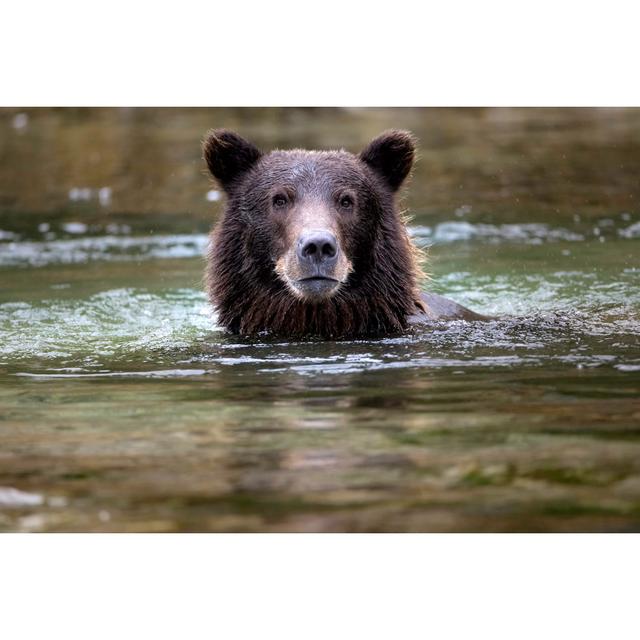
{"points": [[312, 243]]}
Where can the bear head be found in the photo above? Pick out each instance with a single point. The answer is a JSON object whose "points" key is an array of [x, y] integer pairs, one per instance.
{"points": [[311, 243]]}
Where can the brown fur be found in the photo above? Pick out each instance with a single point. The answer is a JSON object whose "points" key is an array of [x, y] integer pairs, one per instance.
{"points": [[251, 259]]}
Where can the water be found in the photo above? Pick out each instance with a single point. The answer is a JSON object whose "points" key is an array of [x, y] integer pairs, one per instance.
{"points": [[124, 407]]}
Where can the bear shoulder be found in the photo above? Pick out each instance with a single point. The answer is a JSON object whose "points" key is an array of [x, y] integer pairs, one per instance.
{"points": [[435, 307]]}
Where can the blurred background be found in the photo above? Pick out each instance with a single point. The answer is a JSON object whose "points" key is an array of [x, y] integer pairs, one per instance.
{"points": [[143, 168]]}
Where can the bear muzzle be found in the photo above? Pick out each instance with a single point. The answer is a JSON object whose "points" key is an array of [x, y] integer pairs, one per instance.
{"points": [[316, 267]]}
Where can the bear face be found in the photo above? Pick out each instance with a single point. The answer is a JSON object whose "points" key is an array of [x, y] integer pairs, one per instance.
{"points": [[311, 243]]}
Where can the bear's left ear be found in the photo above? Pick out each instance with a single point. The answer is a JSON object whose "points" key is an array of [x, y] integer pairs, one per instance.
{"points": [[228, 155], [391, 156]]}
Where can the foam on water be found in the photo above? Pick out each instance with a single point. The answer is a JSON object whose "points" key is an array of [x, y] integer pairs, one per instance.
{"points": [[109, 323], [107, 248], [82, 248], [527, 233], [174, 334], [577, 316]]}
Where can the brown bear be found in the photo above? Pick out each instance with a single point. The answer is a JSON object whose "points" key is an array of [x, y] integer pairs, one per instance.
{"points": [[311, 243]]}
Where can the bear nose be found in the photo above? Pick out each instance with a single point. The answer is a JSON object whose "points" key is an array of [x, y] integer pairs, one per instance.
{"points": [[318, 247]]}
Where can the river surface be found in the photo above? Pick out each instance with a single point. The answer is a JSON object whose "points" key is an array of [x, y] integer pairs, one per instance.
{"points": [[125, 407]]}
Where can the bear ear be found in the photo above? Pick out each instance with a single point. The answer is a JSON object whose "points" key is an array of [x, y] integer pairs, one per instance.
{"points": [[228, 155], [391, 156]]}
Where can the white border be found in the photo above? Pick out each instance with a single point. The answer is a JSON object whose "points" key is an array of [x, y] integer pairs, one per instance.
{"points": [[319, 586], [188, 53], [334, 53]]}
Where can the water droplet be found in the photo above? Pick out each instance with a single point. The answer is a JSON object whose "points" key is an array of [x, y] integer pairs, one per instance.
{"points": [[104, 196], [20, 121], [75, 227], [10, 497]]}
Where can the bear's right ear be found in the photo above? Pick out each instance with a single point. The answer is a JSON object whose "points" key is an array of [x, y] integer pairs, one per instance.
{"points": [[228, 155], [391, 156]]}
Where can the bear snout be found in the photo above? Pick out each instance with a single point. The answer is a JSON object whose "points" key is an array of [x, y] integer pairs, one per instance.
{"points": [[315, 266], [317, 254], [318, 248]]}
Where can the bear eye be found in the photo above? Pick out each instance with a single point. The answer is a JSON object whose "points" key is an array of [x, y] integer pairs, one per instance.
{"points": [[346, 202], [279, 201]]}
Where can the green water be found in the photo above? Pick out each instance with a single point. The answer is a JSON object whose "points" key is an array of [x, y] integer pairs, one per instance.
{"points": [[124, 407]]}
